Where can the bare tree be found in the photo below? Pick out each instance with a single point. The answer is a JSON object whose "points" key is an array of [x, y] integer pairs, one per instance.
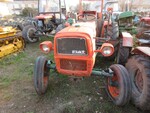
{"points": [[86, 6], [121, 5]]}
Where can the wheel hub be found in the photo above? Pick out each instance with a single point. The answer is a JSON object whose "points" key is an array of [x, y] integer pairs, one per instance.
{"points": [[113, 86], [31, 33]]}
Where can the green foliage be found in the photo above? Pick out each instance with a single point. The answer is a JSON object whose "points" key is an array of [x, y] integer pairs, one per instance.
{"points": [[70, 109], [12, 59]]}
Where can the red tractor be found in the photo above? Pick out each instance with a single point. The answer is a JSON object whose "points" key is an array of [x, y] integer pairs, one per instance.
{"points": [[51, 14], [75, 49], [144, 28], [138, 66]]}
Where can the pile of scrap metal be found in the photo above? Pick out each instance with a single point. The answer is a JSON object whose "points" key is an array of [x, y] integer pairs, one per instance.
{"points": [[51, 14], [10, 41], [144, 28], [17, 21]]}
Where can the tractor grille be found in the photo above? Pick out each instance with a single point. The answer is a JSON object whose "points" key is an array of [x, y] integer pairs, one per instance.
{"points": [[73, 46], [75, 65]]}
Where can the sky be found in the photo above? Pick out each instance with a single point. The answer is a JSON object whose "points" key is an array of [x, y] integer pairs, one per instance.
{"points": [[92, 4], [72, 2]]}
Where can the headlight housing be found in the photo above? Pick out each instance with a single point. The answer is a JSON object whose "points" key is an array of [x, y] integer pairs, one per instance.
{"points": [[107, 49], [46, 46]]}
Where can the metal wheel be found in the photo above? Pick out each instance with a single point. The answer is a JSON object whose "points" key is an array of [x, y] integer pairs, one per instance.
{"points": [[138, 80], [28, 34], [112, 87], [119, 86]]}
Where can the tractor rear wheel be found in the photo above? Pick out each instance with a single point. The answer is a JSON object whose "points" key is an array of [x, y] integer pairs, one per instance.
{"points": [[123, 54], [28, 34], [139, 71], [112, 31], [41, 75], [99, 28], [119, 86]]}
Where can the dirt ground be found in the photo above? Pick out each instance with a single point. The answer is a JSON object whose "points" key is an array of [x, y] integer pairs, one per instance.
{"points": [[64, 95]]}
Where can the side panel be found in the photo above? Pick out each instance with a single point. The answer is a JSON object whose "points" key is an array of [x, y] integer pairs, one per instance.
{"points": [[127, 39]]}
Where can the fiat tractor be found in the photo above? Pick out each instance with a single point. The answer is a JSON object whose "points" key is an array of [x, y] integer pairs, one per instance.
{"points": [[51, 14], [75, 49]]}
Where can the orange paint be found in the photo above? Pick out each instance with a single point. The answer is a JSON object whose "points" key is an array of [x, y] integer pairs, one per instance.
{"points": [[89, 59], [103, 46], [44, 16], [48, 44], [114, 91]]}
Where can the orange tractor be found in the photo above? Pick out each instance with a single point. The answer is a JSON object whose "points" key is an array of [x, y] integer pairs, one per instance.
{"points": [[75, 49]]}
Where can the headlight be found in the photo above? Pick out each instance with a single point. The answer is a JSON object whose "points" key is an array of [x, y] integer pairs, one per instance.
{"points": [[107, 49], [46, 46]]}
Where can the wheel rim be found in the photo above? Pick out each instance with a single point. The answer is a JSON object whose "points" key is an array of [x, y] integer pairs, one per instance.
{"points": [[45, 80], [113, 89], [138, 80], [45, 77], [31, 32], [30, 35]]}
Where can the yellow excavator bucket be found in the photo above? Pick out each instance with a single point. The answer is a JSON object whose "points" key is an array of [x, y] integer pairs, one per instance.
{"points": [[11, 41]]}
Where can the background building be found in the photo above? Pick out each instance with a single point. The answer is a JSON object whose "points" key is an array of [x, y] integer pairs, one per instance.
{"points": [[16, 6]]}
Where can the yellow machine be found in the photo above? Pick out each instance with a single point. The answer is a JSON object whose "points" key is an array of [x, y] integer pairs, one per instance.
{"points": [[10, 41]]}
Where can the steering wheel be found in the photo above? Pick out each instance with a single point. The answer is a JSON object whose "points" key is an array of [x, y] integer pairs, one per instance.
{"points": [[86, 17]]}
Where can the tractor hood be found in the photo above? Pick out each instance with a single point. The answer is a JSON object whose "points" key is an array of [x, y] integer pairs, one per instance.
{"points": [[74, 49], [126, 14], [87, 28]]}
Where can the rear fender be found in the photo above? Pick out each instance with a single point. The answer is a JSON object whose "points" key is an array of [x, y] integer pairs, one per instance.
{"points": [[127, 39], [142, 51]]}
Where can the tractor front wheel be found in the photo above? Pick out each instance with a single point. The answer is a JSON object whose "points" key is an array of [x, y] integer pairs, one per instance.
{"points": [[119, 86], [41, 75], [139, 71]]}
